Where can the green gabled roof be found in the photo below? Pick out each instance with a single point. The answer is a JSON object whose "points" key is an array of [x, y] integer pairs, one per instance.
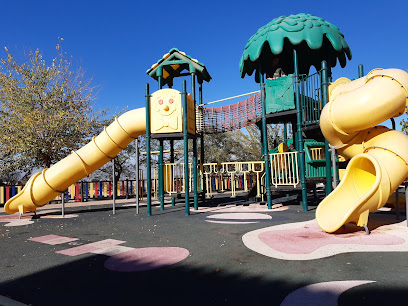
{"points": [[314, 38], [174, 63]]}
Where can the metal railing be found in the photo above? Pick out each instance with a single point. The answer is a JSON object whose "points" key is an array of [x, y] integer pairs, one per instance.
{"points": [[317, 153], [310, 95], [217, 177], [284, 169], [174, 178]]}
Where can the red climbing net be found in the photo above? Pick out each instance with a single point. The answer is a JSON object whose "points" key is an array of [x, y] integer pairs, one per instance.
{"points": [[231, 117]]}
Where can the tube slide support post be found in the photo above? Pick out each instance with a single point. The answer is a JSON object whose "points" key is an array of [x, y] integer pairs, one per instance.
{"points": [[114, 187], [148, 157], [299, 136], [63, 204], [325, 100], [406, 203], [265, 143], [185, 140], [334, 166]]}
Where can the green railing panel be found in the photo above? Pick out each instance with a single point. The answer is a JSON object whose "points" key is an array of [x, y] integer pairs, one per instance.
{"points": [[315, 158]]}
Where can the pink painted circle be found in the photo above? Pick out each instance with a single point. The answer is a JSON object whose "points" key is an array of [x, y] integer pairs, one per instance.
{"points": [[143, 259]]}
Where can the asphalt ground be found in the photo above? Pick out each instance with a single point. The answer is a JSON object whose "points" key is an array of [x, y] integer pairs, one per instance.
{"points": [[219, 268]]}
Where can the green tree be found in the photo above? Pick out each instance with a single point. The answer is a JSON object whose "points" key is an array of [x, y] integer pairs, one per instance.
{"points": [[45, 111], [404, 125]]}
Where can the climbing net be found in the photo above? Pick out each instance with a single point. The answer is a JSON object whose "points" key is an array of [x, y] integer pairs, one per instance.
{"points": [[231, 117]]}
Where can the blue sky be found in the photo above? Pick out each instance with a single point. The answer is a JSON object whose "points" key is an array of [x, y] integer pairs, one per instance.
{"points": [[117, 41]]}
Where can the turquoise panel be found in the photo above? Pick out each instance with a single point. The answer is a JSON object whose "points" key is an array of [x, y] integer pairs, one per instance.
{"points": [[279, 94]]}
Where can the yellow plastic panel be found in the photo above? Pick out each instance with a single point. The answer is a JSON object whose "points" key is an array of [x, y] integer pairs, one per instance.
{"points": [[166, 111], [191, 120]]}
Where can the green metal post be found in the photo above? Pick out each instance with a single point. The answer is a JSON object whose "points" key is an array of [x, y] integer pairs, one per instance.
{"points": [[161, 175], [148, 158], [203, 187], [285, 133], [262, 140], [265, 143], [185, 139], [360, 71], [299, 136], [159, 74], [171, 151], [325, 100], [200, 101], [161, 164], [293, 125], [195, 173]]}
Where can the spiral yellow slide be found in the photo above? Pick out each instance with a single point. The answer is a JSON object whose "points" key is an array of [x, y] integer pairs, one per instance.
{"points": [[379, 156], [42, 187]]}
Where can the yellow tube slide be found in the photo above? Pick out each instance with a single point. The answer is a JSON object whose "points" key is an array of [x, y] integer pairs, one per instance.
{"points": [[42, 187], [379, 155]]}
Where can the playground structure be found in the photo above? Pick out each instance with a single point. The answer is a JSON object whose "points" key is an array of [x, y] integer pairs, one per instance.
{"points": [[305, 102], [378, 155]]}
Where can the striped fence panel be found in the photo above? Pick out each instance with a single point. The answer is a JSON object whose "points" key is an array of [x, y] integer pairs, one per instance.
{"points": [[87, 190]]}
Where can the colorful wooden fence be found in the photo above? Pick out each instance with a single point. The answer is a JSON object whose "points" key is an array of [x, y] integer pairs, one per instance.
{"points": [[6, 192], [83, 191]]}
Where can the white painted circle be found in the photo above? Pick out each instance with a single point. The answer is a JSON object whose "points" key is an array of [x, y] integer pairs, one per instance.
{"points": [[238, 218]]}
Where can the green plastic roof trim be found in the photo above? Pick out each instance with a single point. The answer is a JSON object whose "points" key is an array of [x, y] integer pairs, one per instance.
{"points": [[314, 38], [174, 64]]}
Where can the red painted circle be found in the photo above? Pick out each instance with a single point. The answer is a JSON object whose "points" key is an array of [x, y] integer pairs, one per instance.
{"points": [[171, 101], [160, 102], [146, 259]]}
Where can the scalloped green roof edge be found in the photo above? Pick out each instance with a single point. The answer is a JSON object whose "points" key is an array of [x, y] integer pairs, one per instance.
{"points": [[302, 31]]}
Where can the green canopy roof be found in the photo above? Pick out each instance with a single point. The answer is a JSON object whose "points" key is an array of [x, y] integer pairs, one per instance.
{"points": [[174, 64], [314, 38]]}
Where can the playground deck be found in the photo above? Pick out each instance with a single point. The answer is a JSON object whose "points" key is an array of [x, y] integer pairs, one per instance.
{"points": [[230, 252]]}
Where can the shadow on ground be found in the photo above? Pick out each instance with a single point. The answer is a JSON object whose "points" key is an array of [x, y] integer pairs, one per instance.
{"points": [[87, 282]]}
